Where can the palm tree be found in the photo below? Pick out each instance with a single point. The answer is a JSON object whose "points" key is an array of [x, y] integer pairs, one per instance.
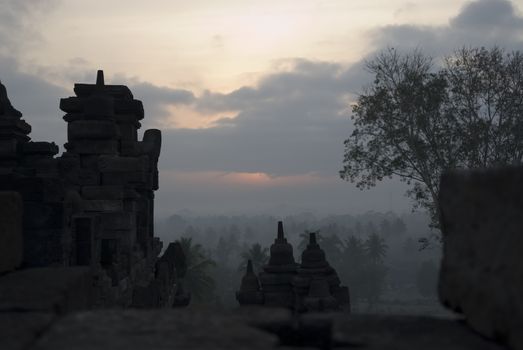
{"points": [[197, 279], [258, 255], [375, 248]]}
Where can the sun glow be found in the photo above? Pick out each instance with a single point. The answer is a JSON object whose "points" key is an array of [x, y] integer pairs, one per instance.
{"points": [[188, 117]]}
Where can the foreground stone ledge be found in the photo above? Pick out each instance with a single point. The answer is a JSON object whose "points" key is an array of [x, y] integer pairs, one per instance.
{"points": [[254, 328], [49, 289], [482, 269], [134, 329]]}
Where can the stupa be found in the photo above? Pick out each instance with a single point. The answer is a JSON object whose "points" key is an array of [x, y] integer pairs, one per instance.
{"points": [[312, 285], [316, 285], [250, 292], [277, 275]]}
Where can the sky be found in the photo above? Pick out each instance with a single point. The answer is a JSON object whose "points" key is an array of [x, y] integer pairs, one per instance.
{"points": [[252, 97]]}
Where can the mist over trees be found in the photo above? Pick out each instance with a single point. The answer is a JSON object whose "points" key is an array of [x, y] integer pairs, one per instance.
{"points": [[376, 254], [418, 119]]}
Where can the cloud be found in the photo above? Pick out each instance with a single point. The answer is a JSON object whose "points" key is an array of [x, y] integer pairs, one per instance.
{"points": [[34, 96], [479, 23], [16, 23], [292, 122], [158, 99], [488, 15], [37, 99]]}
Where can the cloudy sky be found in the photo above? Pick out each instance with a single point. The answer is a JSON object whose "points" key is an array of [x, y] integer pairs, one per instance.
{"points": [[252, 96]]}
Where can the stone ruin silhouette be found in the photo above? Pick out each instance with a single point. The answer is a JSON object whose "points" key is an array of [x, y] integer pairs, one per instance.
{"points": [[93, 205], [79, 265], [311, 286]]}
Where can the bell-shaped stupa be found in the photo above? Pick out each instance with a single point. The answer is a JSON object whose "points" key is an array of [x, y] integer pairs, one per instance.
{"points": [[250, 292], [316, 285], [277, 275]]}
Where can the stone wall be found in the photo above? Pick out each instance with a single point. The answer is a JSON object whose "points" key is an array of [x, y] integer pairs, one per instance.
{"points": [[482, 269]]}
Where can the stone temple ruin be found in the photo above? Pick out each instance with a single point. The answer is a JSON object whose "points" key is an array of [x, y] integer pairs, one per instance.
{"points": [[93, 205], [312, 285]]}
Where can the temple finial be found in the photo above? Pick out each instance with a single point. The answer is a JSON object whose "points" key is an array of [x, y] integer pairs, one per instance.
{"points": [[312, 238], [249, 266], [280, 230], [100, 78]]}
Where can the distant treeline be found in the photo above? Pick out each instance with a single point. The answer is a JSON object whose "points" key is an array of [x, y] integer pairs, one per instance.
{"points": [[376, 254]]}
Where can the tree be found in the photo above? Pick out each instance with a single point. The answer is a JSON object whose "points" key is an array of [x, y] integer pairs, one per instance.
{"points": [[375, 247], [258, 255], [197, 279], [363, 267], [417, 120]]}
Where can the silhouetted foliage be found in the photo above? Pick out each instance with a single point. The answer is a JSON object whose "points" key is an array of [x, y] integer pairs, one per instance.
{"points": [[375, 248], [197, 280], [257, 254], [363, 267], [417, 120]]}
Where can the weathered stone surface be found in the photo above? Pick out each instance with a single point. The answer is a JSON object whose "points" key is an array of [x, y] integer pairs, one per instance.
{"points": [[43, 215], [92, 129], [118, 178], [118, 221], [46, 290], [102, 192], [8, 149], [122, 164], [11, 236], [103, 205], [43, 148], [481, 272], [18, 330], [86, 146], [43, 247], [106, 222], [165, 329]]}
